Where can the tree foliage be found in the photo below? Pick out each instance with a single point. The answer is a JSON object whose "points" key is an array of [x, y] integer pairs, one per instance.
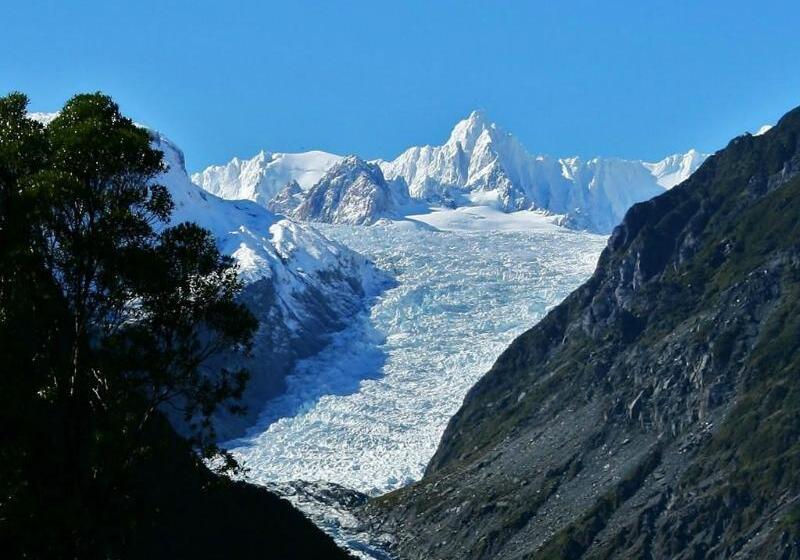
{"points": [[108, 315]]}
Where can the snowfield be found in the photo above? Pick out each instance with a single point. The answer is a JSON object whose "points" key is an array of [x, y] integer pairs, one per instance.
{"points": [[368, 411], [488, 219]]}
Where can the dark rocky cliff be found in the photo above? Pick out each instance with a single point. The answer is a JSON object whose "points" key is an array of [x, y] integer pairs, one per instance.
{"points": [[656, 412]]}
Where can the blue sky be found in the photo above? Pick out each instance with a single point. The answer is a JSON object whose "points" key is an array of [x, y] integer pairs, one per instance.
{"points": [[625, 78]]}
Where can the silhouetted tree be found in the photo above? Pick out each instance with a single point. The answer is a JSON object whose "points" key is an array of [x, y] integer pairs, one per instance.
{"points": [[108, 315]]}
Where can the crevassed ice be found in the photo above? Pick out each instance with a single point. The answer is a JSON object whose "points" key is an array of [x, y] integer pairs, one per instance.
{"points": [[368, 411]]}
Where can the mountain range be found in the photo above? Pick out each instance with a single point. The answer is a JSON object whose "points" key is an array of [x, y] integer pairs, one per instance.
{"points": [[654, 413], [479, 165]]}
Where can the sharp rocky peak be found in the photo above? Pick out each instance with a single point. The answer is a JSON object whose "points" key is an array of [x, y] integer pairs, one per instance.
{"points": [[351, 165], [468, 131]]}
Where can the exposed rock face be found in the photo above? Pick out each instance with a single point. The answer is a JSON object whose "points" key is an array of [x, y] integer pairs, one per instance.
{"points": [[352, 192], [655, 413], [287, 200]]}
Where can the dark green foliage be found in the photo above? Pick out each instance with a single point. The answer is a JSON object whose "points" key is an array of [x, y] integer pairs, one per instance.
{"points": [[575, 539], [107, 316]]}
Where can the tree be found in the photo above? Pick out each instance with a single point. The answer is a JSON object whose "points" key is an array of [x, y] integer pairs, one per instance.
{"points": [[108, 314]]}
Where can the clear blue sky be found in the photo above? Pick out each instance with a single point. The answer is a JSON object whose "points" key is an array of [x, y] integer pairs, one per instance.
{"points": [[629, 78]]}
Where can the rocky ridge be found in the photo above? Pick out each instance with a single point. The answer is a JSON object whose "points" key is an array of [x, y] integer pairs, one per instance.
{"points": [[354, 192]]}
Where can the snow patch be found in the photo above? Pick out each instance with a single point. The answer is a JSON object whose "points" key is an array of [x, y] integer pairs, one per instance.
{"points": [[763, 130]]}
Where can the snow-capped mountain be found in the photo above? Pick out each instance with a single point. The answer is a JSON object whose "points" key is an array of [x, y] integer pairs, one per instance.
{"points": [[301, 285], [353, 191], [479, 165], [261, 177], [482, 164], [478, 156]]}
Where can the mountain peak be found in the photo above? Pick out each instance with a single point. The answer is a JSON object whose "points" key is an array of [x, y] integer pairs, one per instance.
{"points": [[352, 161], [353, 191], [467, 131], [353, 165], [265, 174], [478, 116]]}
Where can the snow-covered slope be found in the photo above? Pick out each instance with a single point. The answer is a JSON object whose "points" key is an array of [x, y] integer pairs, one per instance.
{"points": [[351, 192], [675, 169], [261, 177], [301, 285]]}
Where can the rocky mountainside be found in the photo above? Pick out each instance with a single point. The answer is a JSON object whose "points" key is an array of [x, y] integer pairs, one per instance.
{"points": [[351, 192], [480, 164], [655, 413], [287, 199], [301, 285]]}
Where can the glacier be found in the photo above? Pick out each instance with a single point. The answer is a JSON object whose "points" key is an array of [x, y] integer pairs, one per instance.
{"points": [[364, 416], [368, 410]]}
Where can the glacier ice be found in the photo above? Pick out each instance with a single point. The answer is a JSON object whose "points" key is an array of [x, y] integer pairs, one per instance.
{"points": [[367, 412]]}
